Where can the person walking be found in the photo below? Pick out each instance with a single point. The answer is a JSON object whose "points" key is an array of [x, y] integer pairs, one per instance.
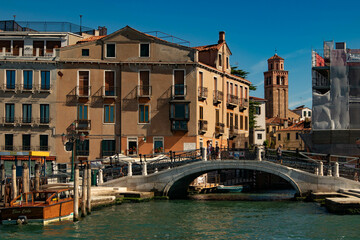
{"points": [[217, 150], [279, 153], [209, 150]]}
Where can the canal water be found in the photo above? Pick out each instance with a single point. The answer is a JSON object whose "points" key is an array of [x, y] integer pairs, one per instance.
{"points": [[189, 219]]}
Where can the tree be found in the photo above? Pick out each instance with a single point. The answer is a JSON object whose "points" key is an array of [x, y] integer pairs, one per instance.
{"points": [[239, 72]]}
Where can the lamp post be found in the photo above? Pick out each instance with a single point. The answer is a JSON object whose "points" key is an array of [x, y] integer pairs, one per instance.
{"points": [[72, 136]]}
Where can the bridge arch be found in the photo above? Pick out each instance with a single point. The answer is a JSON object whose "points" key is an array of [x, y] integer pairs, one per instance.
{"points": [[177, 187]]}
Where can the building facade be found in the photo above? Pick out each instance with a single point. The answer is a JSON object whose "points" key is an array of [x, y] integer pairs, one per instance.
{"points": [[258, 134], [133, 93], [290, 137]]}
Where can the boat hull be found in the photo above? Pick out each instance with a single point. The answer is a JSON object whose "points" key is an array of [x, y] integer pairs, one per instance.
{"points": [[230, 189]]}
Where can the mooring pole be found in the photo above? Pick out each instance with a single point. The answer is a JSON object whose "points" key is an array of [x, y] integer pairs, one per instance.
{"points": [[88, 204], [13, 182], [84, 193], [2, 169], [76, 193], [25, 178], [37, 177]]}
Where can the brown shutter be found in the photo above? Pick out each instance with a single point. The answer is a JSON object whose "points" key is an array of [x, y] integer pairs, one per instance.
{"points": [[83, 83], [144, 82], [109, 81], [179, 77]]}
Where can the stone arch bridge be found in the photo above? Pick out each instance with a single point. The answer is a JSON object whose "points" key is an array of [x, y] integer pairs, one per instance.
{"points": [[174, 182]]}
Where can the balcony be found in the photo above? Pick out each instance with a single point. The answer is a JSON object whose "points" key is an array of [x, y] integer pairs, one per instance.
{"points": [[232, 101], [243, 104], [219, 129], [83, 125], [108, 153], [26, 88], [82, 152], [218, 97], [9, 121], [203, 126], [202, 93], [9, 87], [178, 91], [179, 125], [233, 132], [26, 148], [43, 88], [144, 91], [43, 121], [109, 92]]}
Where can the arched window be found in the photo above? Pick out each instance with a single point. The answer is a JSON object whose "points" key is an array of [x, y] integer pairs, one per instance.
{"points": [[278, 80]]}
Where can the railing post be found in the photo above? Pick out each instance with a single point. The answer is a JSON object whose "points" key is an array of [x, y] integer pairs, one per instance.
{"points": [[336, 169], [258, 153], [101, 176], [130, 173], [203, 154], [144, 169], [329, 172], [37, 52], [2, 179], [317, 171], [4, 51], [76, 193], [88, 204], [13, 183], [321, 169], [37, 177], [84, 192], [25, 178]]}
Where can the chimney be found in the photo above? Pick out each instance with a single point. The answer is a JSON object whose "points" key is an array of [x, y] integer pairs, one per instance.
{"points": [[221, 37]]}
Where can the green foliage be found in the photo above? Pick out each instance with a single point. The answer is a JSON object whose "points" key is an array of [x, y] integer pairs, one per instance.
{"points": [[266, 143], [239, 72], [252, 111]]}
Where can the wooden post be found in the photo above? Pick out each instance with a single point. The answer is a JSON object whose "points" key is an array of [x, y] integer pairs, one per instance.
{"points": [[76, 193], [88, 204], [25, 178], [84, 193], [13, 183], [2, 169], [37, 177]]}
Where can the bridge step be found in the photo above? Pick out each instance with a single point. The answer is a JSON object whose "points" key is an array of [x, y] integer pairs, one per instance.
{"points": [[351, 192]]}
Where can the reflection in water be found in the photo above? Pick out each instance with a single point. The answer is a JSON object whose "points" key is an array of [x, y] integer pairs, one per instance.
{"points": [[188, 219]]}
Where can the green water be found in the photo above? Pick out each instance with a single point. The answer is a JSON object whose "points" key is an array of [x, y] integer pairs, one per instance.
{"points": [[185, 219]]}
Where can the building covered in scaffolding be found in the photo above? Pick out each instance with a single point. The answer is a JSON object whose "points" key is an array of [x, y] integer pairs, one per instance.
{"points": [[336, 100]]}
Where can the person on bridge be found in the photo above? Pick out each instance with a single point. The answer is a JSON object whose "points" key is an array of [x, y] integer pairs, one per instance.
{"points": [[279, 153], [209, 150]]}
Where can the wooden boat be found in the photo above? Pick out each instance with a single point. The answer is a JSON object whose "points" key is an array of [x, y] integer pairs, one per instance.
{"points": [[230, 189], [39, 207]]}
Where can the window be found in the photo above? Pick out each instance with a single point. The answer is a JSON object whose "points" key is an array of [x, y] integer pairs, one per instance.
{"points": [[9, 112], [297, 136], [201, 79], [9, 141], [82, 112], [158, 144], [45, 80], [82, 147], [246, 123], [44, 113], [241, 122], [259, 136], [84, 89], [179, 83], [231, 120], [144, 50], [44, 143], [144, 89], [288, 136], [109, 116], [236, 121], [304, 113], [258, 110], [144, 114], [215, 83], [28, 79], [10, 79], [108, 147], [279, 136], [246, 93], [85, 52], [217, 115], [26, 113], [227, 62], [220, 60], [227, 120], [267, 130], [309, 114], [278, 80], [201, 110], [179, 111], [26, 138], [109, 83], [132, 146], [110, 50]]}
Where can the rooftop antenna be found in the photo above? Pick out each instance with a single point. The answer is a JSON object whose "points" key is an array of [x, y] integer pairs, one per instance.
{"points": [[14, 17], [80, 24], [275, 51]]}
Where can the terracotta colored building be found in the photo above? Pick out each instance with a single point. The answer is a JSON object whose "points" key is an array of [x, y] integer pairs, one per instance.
{"points": [[133, 93], [290, 137]]}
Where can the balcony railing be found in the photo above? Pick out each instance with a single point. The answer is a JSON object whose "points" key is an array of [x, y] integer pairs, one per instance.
{"points": [[232, 101], [109, 91], [218, 96], [203, 126], [42, 148], [9, 148], [233, 132], [26, 148], [43, 87], [108, 153], [243, 103], [144, 91], [26, 87], [43, 120], [83, 125], [9, 120], [178, 90], [9, 87], [219, 128], [27, 120], [81, 152], [179, 125], [202, 93]]}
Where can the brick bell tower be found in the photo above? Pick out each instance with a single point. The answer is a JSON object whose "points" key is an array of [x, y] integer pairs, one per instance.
{"points": [[276, 88]]}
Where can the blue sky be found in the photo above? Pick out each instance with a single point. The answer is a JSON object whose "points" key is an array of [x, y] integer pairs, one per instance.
{"points": [[253, 28]]}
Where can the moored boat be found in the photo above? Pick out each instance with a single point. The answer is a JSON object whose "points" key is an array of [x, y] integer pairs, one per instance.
{"points": [[230, 189], [39, 207]]}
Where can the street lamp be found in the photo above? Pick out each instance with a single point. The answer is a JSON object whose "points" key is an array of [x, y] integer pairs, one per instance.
{"points": [[70, 145]]}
